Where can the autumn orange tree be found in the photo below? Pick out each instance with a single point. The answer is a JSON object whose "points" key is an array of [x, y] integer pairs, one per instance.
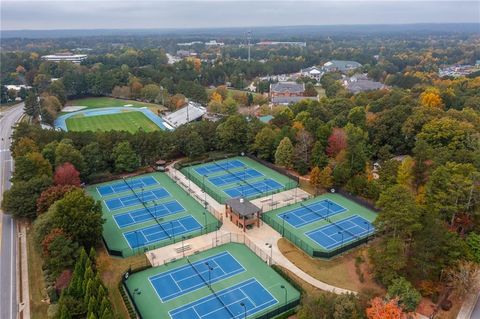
{"points": [[380, 309]]}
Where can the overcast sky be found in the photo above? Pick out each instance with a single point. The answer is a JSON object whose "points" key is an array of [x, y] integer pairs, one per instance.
{"points": [[136, 14]]}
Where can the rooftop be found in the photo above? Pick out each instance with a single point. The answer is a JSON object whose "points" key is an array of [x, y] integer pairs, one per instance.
{"points": [[287, 87], [291, 99], [186, 114], [242, 206]]}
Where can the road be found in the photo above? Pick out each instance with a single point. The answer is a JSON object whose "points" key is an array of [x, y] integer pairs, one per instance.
{"points": [[8, 234], [476, 310]]}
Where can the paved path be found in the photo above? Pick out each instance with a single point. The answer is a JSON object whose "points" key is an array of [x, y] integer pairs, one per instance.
{"points": [[8, 237], [262, 237]]}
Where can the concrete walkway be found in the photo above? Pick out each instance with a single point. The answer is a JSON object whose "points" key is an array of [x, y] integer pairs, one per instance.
{"points": [[262, 237]]}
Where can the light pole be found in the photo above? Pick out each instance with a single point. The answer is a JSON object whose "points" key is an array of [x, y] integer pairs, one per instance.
{"points": [[155, 208], [143, 200], [204, 192], [286, 293], [205, 221], [173, 231], [244, 309], [209, 274], [183, 248], [328, 208]]}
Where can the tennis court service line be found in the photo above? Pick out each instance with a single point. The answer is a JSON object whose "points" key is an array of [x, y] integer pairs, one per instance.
{"points": [[148, 210], [210, 287]]}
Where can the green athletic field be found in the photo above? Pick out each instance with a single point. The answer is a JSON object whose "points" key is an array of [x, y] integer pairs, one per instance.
{"points": [[218, 192], [127, 120], [149, 304], [98, 102], [113, 235], [298, 235]]}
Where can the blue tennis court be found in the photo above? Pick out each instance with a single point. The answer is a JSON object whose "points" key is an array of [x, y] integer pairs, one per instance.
{"points": [[142, 215], [233, 177], [184, 279], [218, 167], [151, 234], [132, 200], [341, 232], [121, 187], [252, 189], [312, 212], [250, 292]]}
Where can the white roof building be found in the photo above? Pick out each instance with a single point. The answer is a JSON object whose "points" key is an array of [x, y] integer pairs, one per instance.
{"points": [[74, 58], [192, 112]]}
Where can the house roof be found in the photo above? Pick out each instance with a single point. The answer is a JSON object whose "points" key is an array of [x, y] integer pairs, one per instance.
{"points": [[311, 70], [287, 87], [342, 65], [291, 99], [187, 114], [242, 206], [360, 83]]}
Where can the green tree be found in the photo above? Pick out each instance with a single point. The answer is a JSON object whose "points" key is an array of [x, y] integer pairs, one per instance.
{"points": [[65, 152], [388, 260], [95, 159], [264, 144], [30, 166], [21, 199], [232, 134], [150, 92], [473, 243], [358, 117], [124, 157], [24, 146], [284, 153], [194, 146], [453, 188], [32, 105], [408, 297], [80, 216], [400, 216]]}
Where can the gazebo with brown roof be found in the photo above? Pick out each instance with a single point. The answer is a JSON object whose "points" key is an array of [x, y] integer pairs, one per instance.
{"points": [[242, 212]]}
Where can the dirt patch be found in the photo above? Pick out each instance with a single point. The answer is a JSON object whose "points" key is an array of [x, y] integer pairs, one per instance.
{"points": [[111, 270], [340, 271]]}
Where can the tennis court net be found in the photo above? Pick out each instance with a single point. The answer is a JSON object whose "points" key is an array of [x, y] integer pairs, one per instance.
{"points": [[147, 209], [241, 179], [210, 287]]}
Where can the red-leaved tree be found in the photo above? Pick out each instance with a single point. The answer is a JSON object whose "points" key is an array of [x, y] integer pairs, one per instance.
{"points": [[380, 309], [50, 195], [66, 174], [337, 142]]}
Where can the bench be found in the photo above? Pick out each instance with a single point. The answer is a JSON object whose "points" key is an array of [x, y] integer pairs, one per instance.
{"points": [[183, 248]]}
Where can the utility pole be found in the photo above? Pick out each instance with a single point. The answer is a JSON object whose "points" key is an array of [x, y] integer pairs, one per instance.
{"points": [[249, 36]]}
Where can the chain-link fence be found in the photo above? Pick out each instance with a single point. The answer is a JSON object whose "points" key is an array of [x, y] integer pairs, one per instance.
{"points": [[305, 246]]}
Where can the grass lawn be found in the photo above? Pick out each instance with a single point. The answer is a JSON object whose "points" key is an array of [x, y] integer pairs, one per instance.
{"points": [[127, 121], [38, 294], [111, 270], [339, 271], [98, 102]]}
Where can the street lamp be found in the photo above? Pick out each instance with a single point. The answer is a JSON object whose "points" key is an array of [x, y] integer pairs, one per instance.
{"points": [[183, 248], [205, 221], [155, 208], [244, 309], [204, 192], [209, 274], [173, 230], [341, 233], [143, 199], [286, 293]]}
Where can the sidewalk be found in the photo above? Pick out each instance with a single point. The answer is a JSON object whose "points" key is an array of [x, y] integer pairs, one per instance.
{"points": [[260, 236]]}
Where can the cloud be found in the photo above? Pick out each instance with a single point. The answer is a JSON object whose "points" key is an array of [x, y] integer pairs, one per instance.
{"points": [[138, 14]]}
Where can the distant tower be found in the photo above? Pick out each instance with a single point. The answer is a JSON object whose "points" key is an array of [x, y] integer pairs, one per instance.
{"points": [[249, 36]]}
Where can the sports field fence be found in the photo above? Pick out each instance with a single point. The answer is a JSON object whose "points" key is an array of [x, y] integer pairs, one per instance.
{"points": [[307, 247], [222, 239]]}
